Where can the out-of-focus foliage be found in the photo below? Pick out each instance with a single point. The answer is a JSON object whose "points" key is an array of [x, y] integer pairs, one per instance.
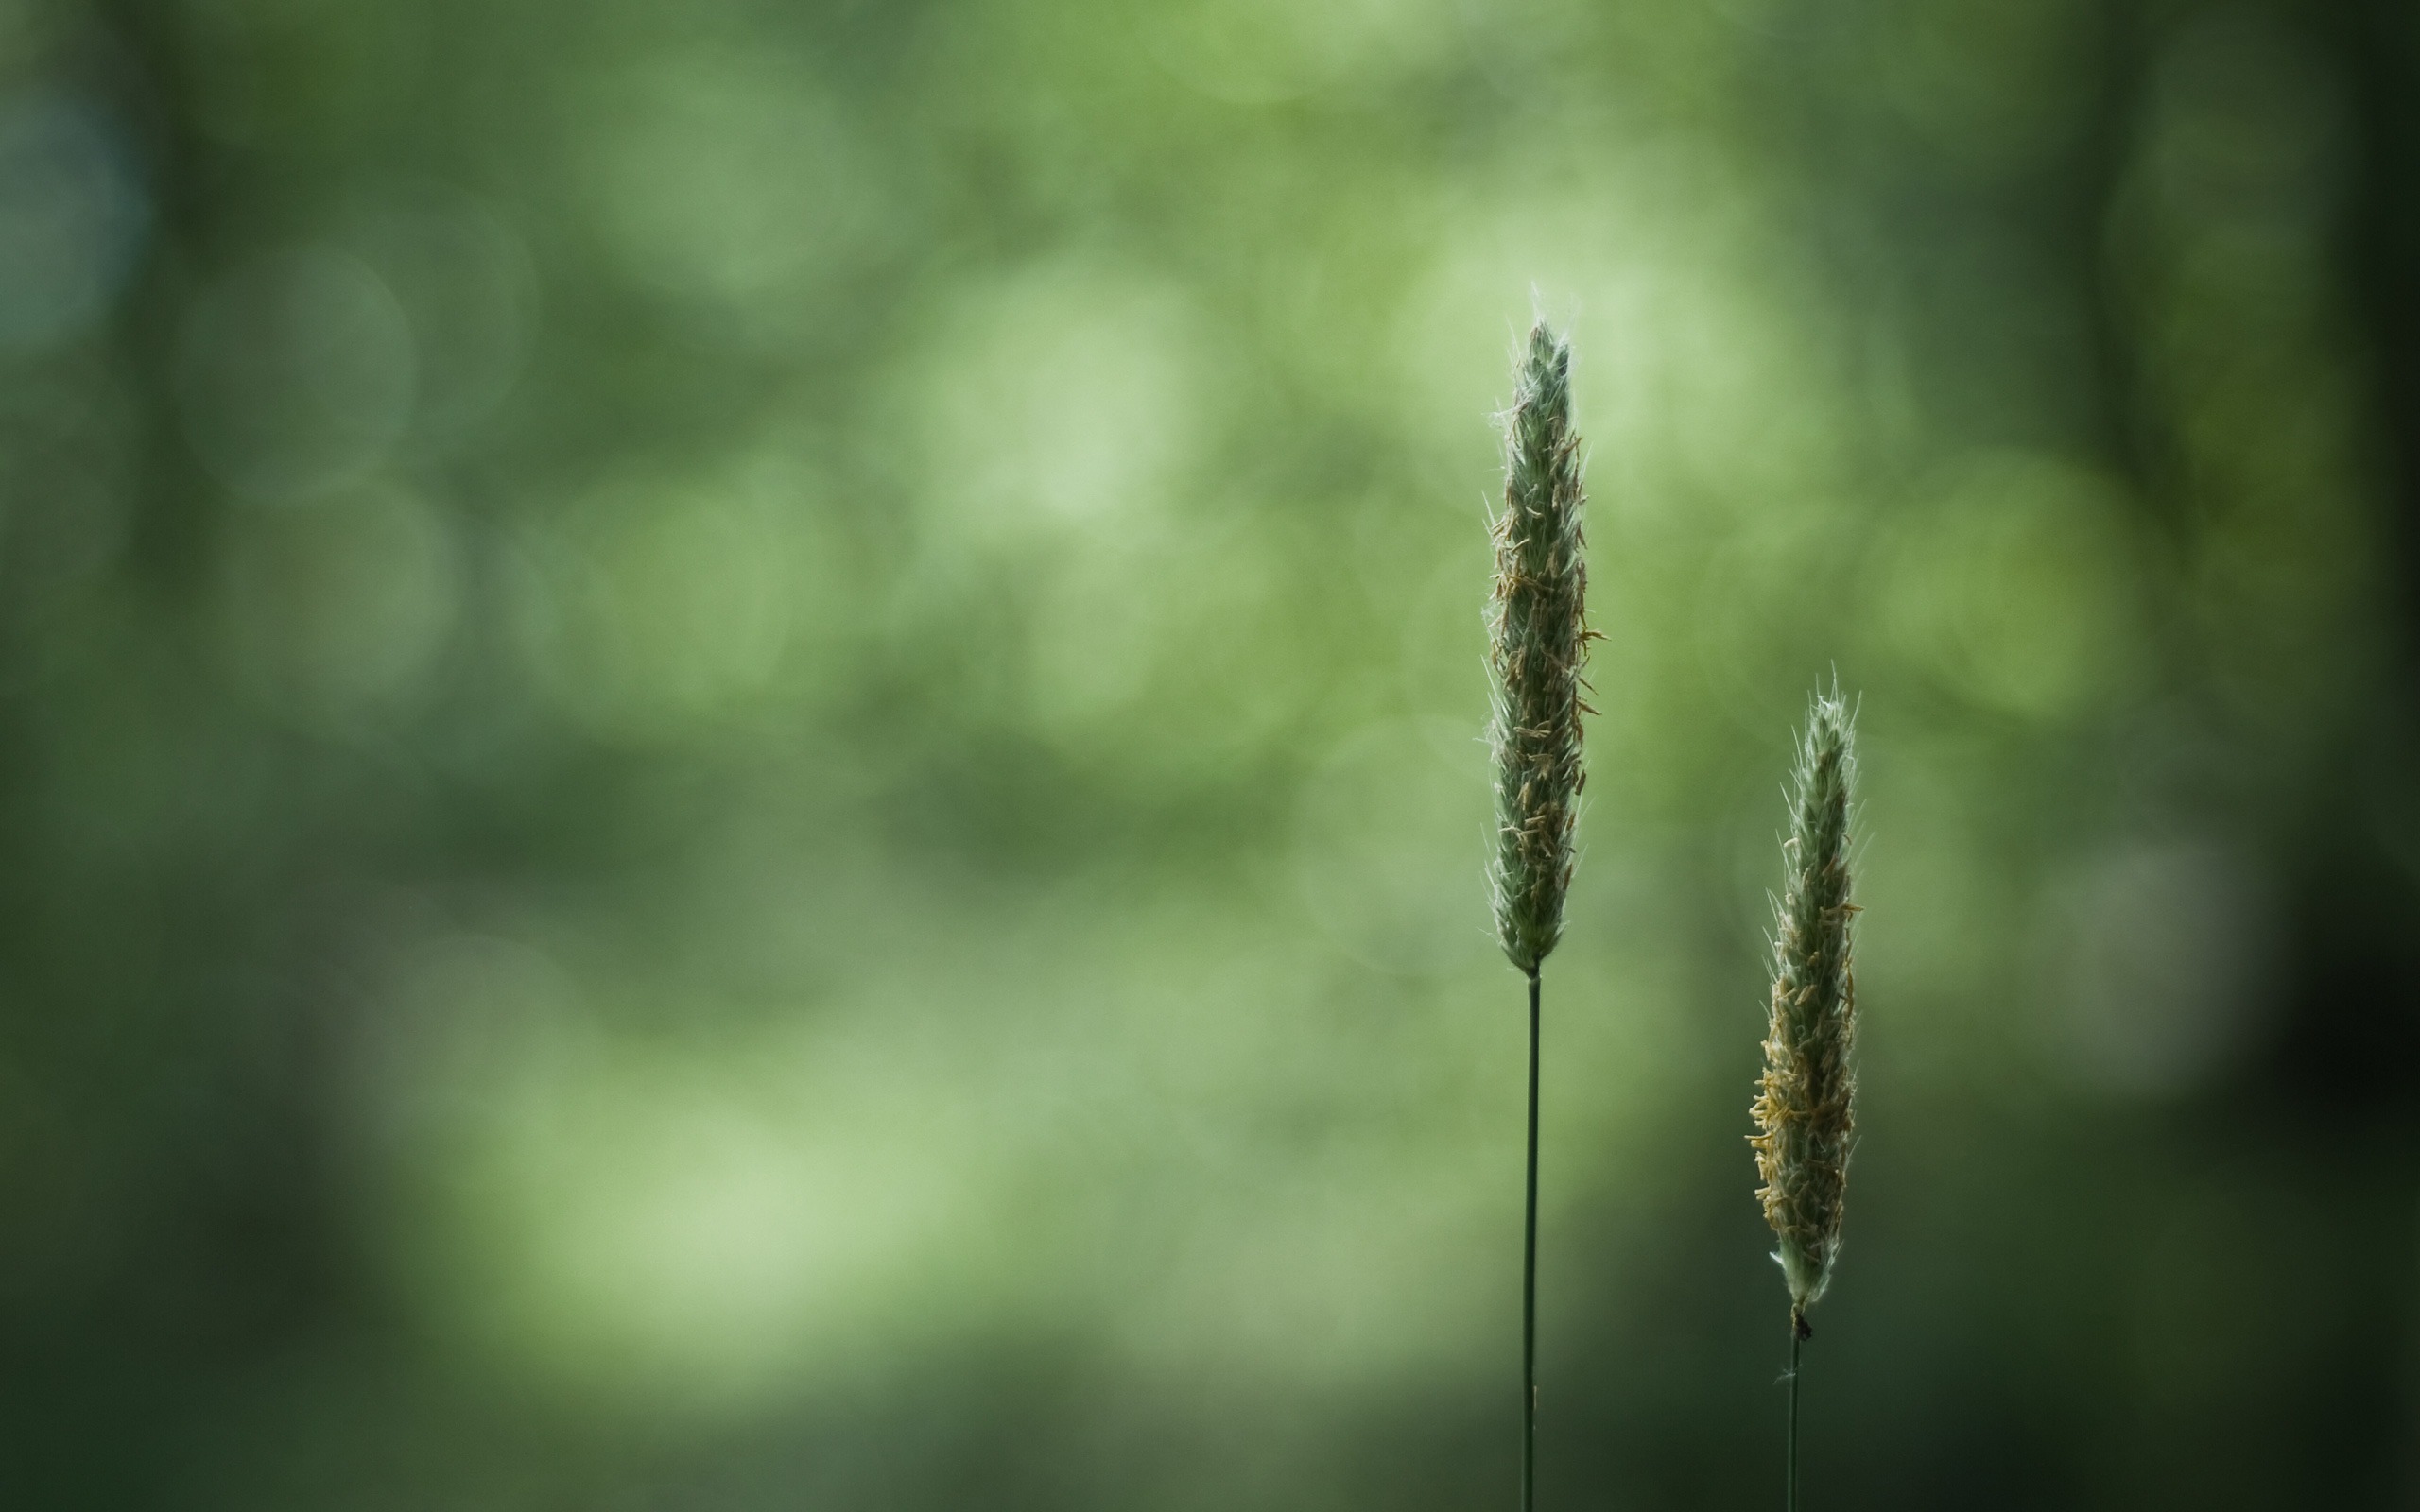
{"points": [[741, 758]]}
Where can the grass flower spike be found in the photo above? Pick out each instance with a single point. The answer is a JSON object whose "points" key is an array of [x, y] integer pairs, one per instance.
{"points": [[1806, 1105], [1538, 640]]}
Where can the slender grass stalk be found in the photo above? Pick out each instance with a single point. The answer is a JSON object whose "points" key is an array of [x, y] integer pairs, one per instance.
{"points": [[1806, 1107], [1538, 641], [1798, 1332], [1530, 1279]]}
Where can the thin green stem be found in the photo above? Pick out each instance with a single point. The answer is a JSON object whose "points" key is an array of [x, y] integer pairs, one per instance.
{"points": [[1797, 1335], [1530, 1282]]}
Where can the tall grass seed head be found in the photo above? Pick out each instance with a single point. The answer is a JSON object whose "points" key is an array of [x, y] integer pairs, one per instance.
{"points": [[1538, 644], [1806, 1105]]}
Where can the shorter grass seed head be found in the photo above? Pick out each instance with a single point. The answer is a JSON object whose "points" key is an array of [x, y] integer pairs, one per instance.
{"points": [[1806, 1107], [1538, 641]]}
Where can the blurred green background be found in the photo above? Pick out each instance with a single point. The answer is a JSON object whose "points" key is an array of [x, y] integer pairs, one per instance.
{"points": [[738, 751]]}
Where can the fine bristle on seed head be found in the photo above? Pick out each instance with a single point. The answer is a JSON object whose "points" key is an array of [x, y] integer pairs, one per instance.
{"points": [[1538, 640], [1805, 1103]]}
